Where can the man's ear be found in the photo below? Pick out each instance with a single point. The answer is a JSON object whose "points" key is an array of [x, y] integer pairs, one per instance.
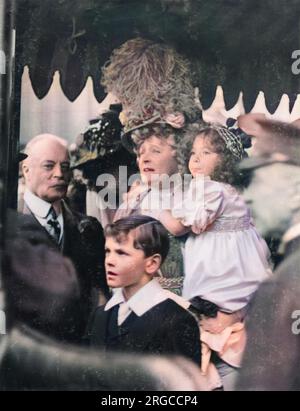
{"points": [[25, 168], [153, 264]]}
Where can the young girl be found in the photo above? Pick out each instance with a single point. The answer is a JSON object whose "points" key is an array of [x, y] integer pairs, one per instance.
{"points": [[225, 259]]}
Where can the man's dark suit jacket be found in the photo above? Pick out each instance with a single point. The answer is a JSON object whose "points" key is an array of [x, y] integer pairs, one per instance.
{"points": [[83, 243], [272, 357], [165, 329]]}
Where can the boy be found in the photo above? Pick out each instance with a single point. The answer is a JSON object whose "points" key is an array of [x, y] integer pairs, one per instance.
{"points": [[141, 316]]}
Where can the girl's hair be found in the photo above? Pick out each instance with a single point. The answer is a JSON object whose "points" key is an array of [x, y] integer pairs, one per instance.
{"points": [[227, 171], [150, 78]]}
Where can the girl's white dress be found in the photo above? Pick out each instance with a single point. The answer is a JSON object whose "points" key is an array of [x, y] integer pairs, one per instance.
{"points": [[225, 259]]}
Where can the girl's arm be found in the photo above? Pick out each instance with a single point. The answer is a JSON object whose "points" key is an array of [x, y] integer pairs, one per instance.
{"points": [[172, 224]]}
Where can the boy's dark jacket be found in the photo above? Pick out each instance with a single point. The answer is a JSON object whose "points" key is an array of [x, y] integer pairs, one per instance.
{"points": [[166, 328]]}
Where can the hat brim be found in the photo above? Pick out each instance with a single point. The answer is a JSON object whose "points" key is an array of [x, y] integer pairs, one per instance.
{"points": [[127, 141], [87, 158], [126, 138], [21, 157], [82, 165], [91, 157], [251, 163]]}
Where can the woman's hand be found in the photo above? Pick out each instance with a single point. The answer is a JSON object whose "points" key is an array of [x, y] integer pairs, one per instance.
{"points": [[135, 189]]}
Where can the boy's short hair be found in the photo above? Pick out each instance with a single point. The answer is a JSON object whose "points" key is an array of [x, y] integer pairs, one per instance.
{"points": [[151, 236]]}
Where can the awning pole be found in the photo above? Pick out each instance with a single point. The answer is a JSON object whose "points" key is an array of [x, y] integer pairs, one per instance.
{"points": [[7, 47]]}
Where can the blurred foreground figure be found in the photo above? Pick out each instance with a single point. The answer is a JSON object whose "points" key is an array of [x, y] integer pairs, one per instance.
{"points": [[30, 361], [42, 289], [272, 355]]}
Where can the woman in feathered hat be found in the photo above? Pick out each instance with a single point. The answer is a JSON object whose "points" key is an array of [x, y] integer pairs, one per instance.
{"points": [[153, 84], [151, 80]]}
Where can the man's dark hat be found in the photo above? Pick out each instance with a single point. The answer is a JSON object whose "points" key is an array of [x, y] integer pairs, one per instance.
{"points": [[276, 142], [22, 156]]}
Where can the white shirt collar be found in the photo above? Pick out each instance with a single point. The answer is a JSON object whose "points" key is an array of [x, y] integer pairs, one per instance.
{"points": [[40, 210], [146, 298], [39, 207]]}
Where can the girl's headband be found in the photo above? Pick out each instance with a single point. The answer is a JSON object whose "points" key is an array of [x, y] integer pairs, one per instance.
{"points": [[234, 138]]}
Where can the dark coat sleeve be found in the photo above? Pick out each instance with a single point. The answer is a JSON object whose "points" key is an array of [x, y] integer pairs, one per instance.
{"points": [[84, 245], [96, 330], [272, 356], [183, 335], [92, 238]]}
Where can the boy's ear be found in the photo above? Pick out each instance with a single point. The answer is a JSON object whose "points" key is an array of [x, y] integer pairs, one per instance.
{"points": [[153, 264]]}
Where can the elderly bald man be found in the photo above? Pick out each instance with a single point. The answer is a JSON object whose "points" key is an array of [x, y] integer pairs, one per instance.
{"points": [[272, 356], [47, 174]]}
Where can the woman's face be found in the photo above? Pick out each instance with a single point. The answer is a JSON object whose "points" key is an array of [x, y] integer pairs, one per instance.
{"points": [[156, 157], [204, 159]]}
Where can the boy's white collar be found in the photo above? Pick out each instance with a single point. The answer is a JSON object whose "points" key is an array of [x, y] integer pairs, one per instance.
{"points": [[146, 298]]}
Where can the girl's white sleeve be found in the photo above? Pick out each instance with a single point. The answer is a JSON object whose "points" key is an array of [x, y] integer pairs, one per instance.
{"points": [[201, 205]]}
